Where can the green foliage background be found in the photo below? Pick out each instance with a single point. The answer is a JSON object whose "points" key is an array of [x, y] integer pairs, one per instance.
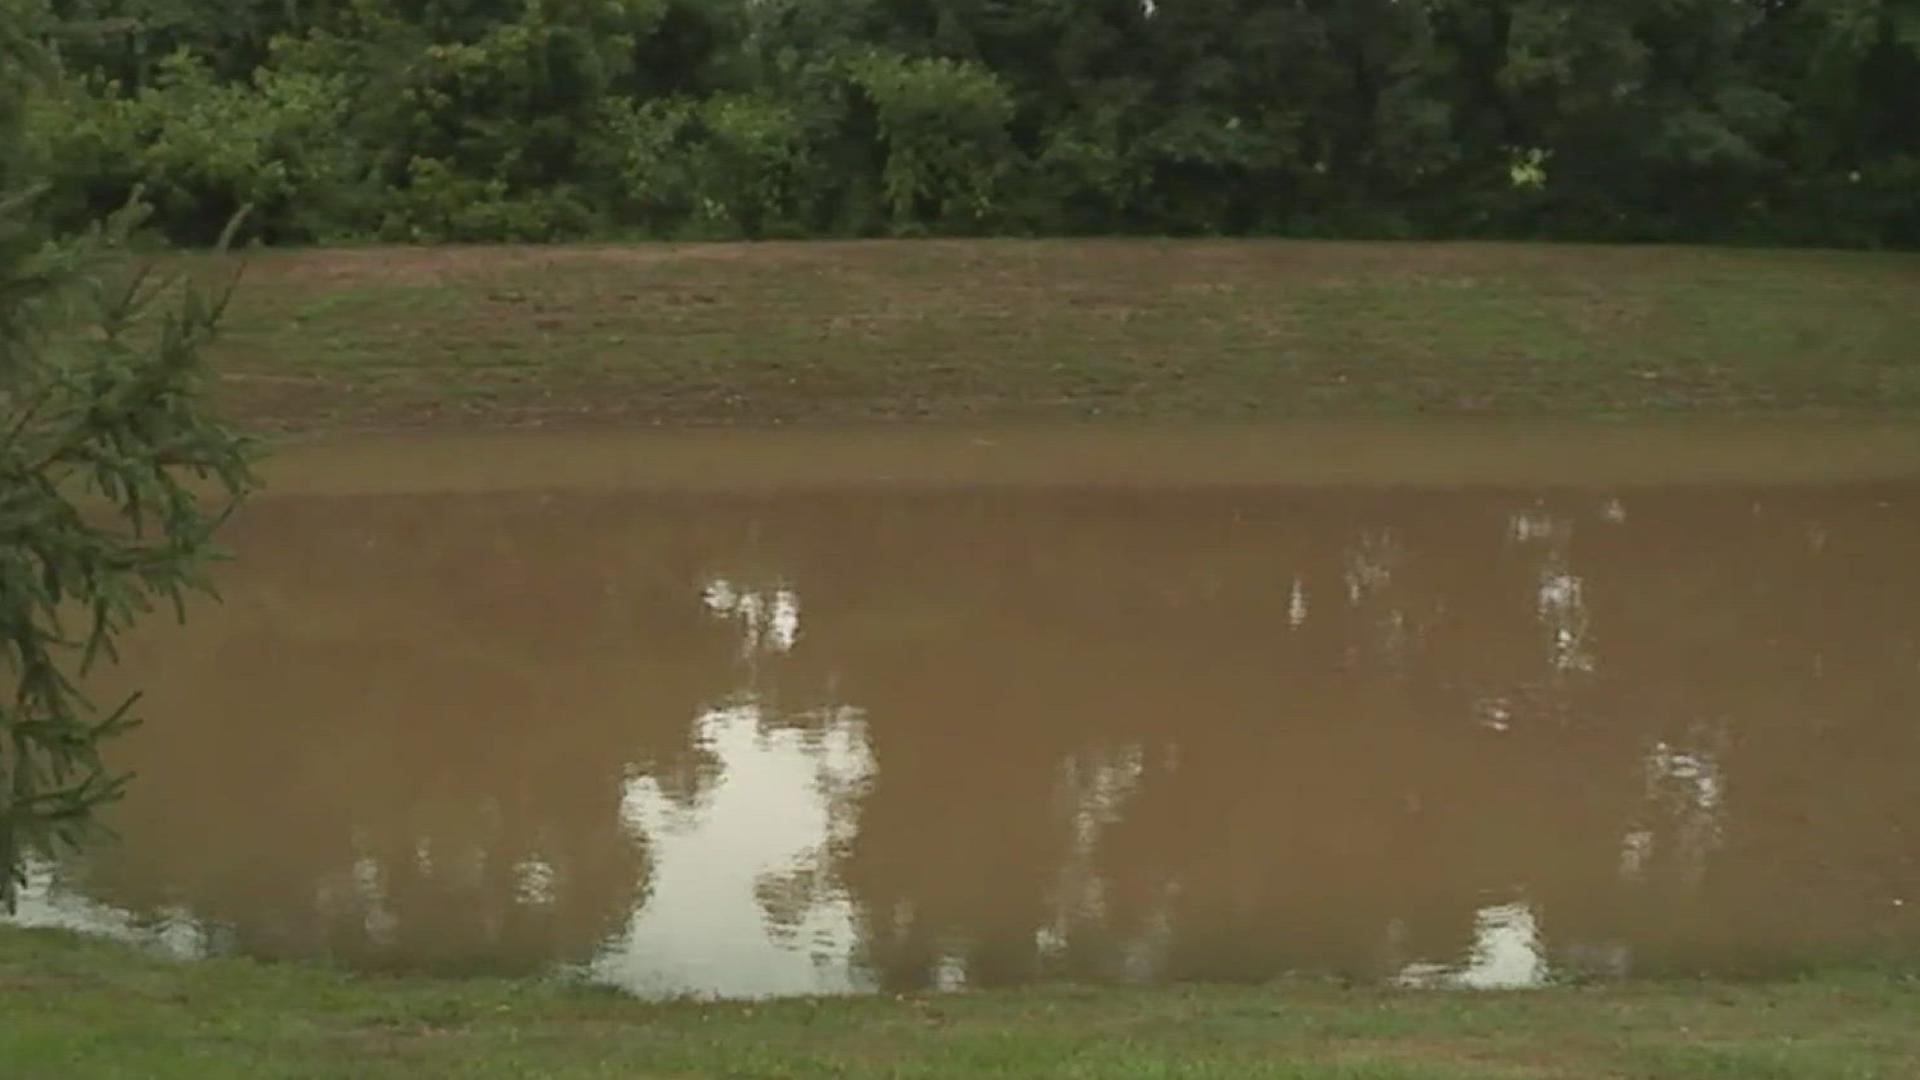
{"points": [[1777, 121]]}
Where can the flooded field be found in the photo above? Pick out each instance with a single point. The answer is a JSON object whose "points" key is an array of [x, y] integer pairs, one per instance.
{"points": [[769, 714]]}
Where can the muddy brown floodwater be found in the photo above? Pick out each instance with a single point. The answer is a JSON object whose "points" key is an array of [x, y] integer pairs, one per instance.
{"points": [[753, 713]]}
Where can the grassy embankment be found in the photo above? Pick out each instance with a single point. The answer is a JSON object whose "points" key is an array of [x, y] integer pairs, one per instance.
{"points": [[1007, 330], [75, 1008]]}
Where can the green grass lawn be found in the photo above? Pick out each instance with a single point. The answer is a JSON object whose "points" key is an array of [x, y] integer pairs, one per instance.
{"points": [[74, 1008], [1009, 330]]}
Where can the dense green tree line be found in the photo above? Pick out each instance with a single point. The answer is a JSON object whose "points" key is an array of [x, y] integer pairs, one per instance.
{"points": [[1791, 121]]}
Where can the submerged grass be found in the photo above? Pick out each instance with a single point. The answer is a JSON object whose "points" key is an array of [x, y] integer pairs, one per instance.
{"points": [[1005, 330], [73, 1007]]}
